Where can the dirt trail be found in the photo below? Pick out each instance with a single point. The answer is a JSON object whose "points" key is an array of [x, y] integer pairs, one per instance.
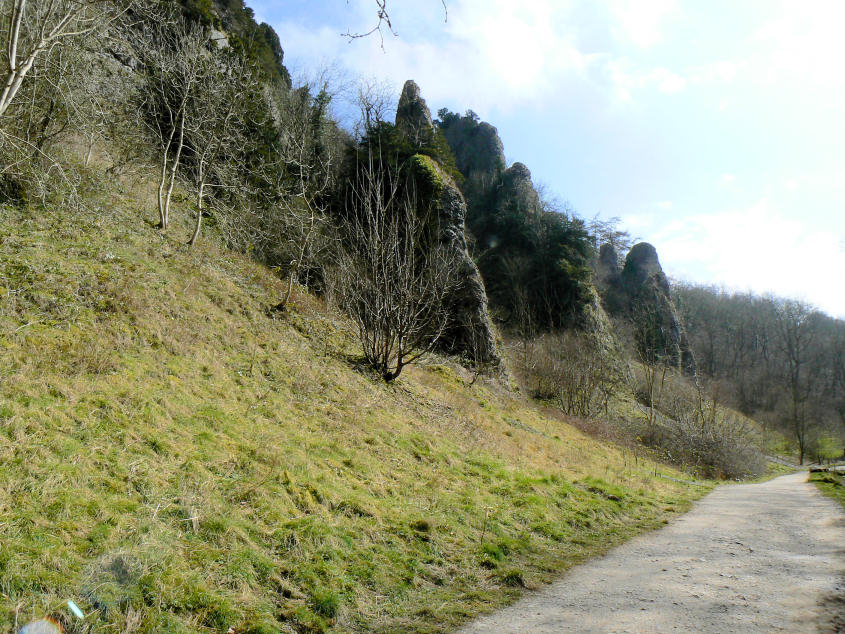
{"points": [[747, 558]]}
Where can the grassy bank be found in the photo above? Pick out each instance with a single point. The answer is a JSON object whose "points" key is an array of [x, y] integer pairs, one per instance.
{"points": [[175, 458], [831, 484]]}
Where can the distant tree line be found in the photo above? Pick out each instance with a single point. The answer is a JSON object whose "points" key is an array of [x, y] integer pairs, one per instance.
{"points": [[778, 360]]}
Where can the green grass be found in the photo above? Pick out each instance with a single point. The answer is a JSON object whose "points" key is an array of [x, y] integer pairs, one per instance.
{"points": [[831, 484], [829, 448], [773, 470], [174, 459]]}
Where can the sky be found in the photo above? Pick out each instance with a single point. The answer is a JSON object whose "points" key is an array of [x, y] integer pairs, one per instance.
{"points": [[714, 130]]}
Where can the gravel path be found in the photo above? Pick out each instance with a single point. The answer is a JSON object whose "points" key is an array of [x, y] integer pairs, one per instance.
{"points": [[747, 558]]}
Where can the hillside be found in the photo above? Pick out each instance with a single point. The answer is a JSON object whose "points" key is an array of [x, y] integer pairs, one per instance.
{"points": [[389, 381], [174, 459]]}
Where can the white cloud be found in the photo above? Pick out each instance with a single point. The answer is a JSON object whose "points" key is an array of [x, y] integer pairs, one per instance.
{"points": [[759, 249], [667, 81], [636, 223], [629, 79], [722, 71], [804, 40], [489, 52], [728, 179], [641, 22], [497, 53]]}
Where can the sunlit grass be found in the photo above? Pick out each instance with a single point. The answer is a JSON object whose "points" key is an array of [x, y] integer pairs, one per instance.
{"points": [[174, 459], [831, 484]]}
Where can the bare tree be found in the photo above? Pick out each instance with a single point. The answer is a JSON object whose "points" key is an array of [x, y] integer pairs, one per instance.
{"points": [[384, 22], [649, 344], [45, 64], [796, 335], [376, 100], [305, 171], [174, 56], [571, 369], [395, 277], [33, 28], [217, 133], [608, 232]]}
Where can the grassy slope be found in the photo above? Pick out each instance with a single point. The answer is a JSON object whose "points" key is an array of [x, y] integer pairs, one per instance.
{"points": [[175, 460]]}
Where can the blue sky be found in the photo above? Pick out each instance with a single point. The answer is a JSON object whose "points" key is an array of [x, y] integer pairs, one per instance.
{"points": [[715, 130]]}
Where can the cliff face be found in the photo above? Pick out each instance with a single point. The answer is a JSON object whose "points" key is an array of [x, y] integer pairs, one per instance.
{"points": [[517, 190], [476, 146], [470, 331], [641, 293], [233, 24]]}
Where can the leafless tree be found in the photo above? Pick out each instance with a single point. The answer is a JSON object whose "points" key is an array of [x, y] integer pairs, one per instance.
{"points": [[649, 343], [394, 276], [305, 172], [384, 23], [34, 28], [45, 64], [608, 232], [796, 335], [174, 56], [568, 369], [376, 101], [217, 133], [697, 431]]}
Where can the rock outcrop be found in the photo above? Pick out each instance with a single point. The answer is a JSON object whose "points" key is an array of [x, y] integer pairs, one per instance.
{"points": [[641, 264], [534, 279], [608, 263], [470, 331], [477, 147], [517, 190], [413, 118], [641, 292]]}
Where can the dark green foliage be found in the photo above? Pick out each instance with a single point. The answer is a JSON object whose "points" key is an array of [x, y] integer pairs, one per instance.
{"points": [[534, 260], [535, 266], [474, 143], [389, 146], [386, 149], [201, 11]]}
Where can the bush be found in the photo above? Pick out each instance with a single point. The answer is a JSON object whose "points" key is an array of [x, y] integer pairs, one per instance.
{"points": [[695, 430], [572, 370], [394, 278]]}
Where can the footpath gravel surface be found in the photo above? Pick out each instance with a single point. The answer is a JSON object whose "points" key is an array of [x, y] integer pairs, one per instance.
{"points": [[766, 557]]}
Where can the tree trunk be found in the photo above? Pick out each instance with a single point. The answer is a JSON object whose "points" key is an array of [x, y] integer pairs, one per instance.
{"points": [[200, 190], [199, 213], [162, 217], [173, 167]]}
